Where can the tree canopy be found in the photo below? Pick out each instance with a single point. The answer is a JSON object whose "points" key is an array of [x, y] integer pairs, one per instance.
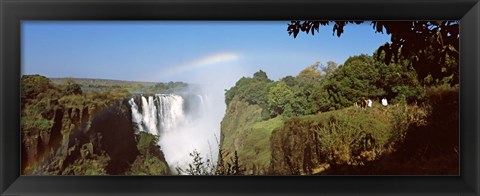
{"points": [[365, 76], [431, 47]]}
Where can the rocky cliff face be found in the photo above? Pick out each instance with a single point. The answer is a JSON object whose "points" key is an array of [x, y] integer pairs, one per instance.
{"points": [[111, 133], [104, 132], [238, 117], [37, 141], [235, 125], [244, 132], [271, 146]]}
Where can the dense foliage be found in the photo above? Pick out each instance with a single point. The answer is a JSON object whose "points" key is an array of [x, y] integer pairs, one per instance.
{"points": [[320, 88], [430, 47], [363, 76], [313, 127], [134, 87], [150, 160], [253, 90]]}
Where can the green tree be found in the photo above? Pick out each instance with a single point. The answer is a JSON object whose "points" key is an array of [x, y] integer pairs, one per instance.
{"points": [[400, 82], [253, 90], [431, 47], [355, 79], [261, 76], [290, 81], [33, 85], [306, 96], [279, 99], [72, 88], [365, 76], [151, 160]]}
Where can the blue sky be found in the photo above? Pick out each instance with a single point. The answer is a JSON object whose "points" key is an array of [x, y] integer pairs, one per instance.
{"points": [[183, 51]]}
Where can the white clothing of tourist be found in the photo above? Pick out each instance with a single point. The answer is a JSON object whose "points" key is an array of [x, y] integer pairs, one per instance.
{"points": [[384, 102]]}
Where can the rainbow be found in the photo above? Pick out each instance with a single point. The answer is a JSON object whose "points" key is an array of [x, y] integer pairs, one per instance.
{"points": [[199, 63]]}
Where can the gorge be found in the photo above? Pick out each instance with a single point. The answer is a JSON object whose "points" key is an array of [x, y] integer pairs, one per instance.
{"points": [[101, 129]]}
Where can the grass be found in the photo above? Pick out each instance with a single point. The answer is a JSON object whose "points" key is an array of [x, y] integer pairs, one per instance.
{"points": [[244, 131], [258, 138], [39, 124]]}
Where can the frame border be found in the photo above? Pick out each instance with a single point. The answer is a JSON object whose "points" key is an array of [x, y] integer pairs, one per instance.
{"points": [[12, 12]]}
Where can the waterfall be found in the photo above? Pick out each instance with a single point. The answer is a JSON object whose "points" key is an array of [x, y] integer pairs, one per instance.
{"points": [[183, 124], [136, 116], [161, 113], [170, 113], [149, 115]]}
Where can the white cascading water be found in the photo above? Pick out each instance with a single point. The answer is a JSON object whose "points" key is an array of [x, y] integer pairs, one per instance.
{"points": [[180, 133], [136, 116], [149, 113], [170, 112]]}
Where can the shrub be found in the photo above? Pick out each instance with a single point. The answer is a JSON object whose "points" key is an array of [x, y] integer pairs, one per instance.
{"points": [[72, 88], [198, 166]]}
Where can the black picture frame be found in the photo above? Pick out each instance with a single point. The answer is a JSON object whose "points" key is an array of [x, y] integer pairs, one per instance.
{"points": [[12, 12]]}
